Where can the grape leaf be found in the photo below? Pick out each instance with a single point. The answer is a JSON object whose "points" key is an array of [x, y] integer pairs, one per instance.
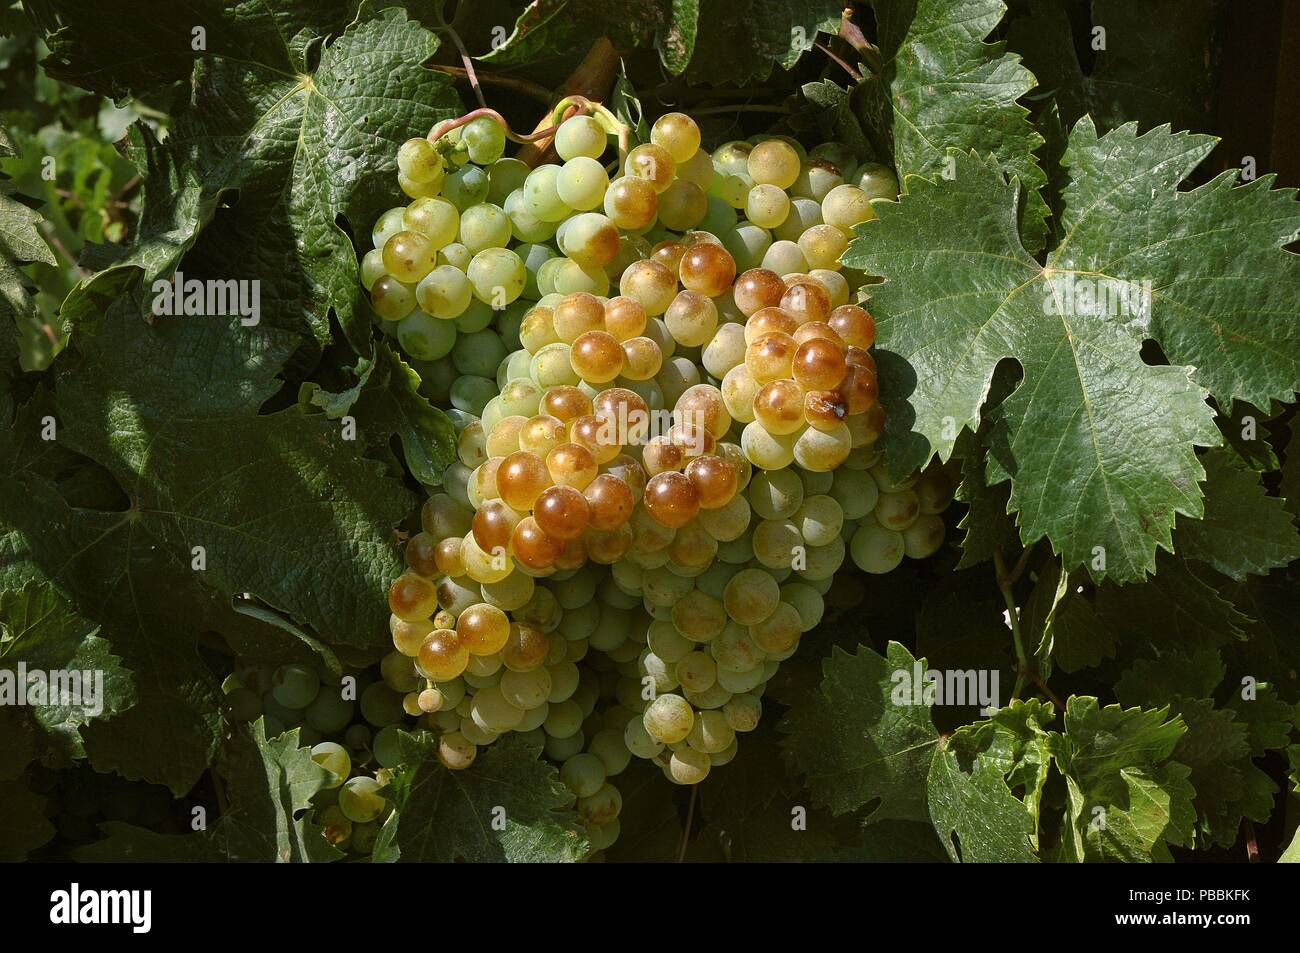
{"points": [[391, 403], [306, 131], [41, 631], [741, 40], [1064, 624], [1216, 746], [1244, 530], [855, 745], [442, 815], [989, 526], [894, 842], [1271, 651], [951, 90], [1127, 800], [270, 784], [1159, 61], [23, 824], [974, 779], [283, 507], [20, 241], [565, 29], [1123, 463]]}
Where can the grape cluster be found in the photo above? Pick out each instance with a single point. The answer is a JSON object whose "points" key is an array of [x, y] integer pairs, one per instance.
{"points": [[666, 408]]}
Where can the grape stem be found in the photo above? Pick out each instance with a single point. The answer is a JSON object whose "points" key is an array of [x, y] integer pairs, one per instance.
{"points": [[532, 90], [686, 831], [856, 76], [450, 30]]}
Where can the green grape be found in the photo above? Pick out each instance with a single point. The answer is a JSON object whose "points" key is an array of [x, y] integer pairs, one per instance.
{"points": [[639, 741], [295, 686], [497, 276], [386, 226], [359, 800], [455, 254], [479, 353], [590, 239], [434, 218], [372, 268], [855, 491], [504, 177], [444, 292], [748, 244], [391, 299], [804, 214], [424, 337], [387, 747], [751, 596], [775, 494], [719, 218], [550, 367], [484, 226], [581, 183], [562, 749], [836, 285], [669, 719], [492, 711], [819, 519], [712, 733], [767, 206], [565, 677], [875, 549], [836, 153], [583, 774], [785, 258], [743, 712], [357, 738], [924, 537], [466, 187], [846, 206], [876, 181], [330, 712], [418, 161], [580, 623], [580, 136], [698, 169], [563, 719], [541, 195], [471, 394], [816, 179], [571, 278], [485, 139], [475, 318], [526, 226], [526, 690], [740, 682], [381, 706]]}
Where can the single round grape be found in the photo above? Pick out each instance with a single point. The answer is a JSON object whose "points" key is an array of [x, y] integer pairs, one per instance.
{"points": [[757, 289], [485, 139], [602, 807], [806, 300], [803, 215], [817, 177], [580, 136], [407, 636], [691, 318], [631, 203], [581, 183], [597, 357], [751, 596], [682, 205], [493, 525], [698, 169], [738, 392], [819, 519], [708, 269], [526, 648], [897, 511], [386, 226], [372, 267], [651, 283], [774, 162], [541, 196], [714, 479], [846, 206], [779, 632], [934, 490], [677, 133], [610, 502], [412, 598], [391, 299], [642, 359], [533, 547], [455, 254], [823, 449], [551, 367], [711, 734], [465, 187], [767, 206], [497, 276], [743, 712], [483, 629], [639, 741], [359, 800], [562, 512], [455, 751], [822, 246], [776, 543], [443, 656], [484, 226], [590, 239], [771, 357], [421, 555], [445, 292], [526, 690], [504, 177], [295, 686], [566, 403], [779, 407], [653, 163], [669, 719], [571, 277], [419, 162], [875, 549], [672, 499], [876, 181], [784, 258]]}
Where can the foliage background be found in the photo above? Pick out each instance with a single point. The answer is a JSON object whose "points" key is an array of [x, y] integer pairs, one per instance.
{"points": [[265, 155]]}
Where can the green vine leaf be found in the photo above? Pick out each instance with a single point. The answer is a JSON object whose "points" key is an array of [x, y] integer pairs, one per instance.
{"points": [[442, 815], [855, 746], [270, 785]]}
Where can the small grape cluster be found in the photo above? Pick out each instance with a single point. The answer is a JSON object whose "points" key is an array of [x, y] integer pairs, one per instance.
{"points": [[666, 419]]}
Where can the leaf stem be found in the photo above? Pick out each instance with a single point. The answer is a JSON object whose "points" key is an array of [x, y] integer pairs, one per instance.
{"points": [[465, 58], [853, 74]]}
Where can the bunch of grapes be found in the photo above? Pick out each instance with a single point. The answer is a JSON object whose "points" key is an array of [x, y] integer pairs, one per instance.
{"points": [[666, 407]]}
